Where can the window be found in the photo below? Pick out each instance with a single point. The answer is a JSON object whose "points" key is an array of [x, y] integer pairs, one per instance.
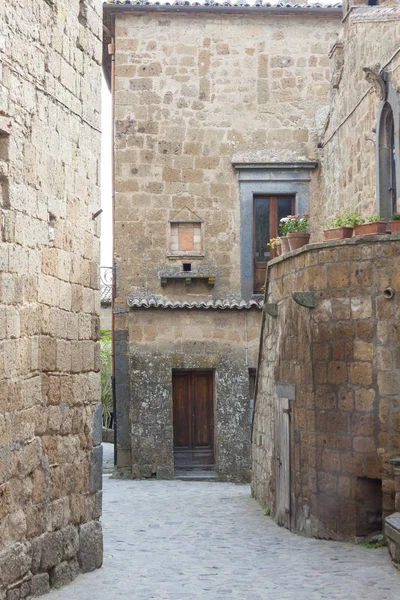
{"points": [[387, 163], [186, 235], [268, 211]]}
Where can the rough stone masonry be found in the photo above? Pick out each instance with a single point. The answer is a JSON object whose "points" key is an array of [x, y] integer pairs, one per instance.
{"points": [[50, 419]]}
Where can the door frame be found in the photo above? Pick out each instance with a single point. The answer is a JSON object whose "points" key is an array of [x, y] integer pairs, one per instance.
{"points": [[290, 178], [283, 468], [210, 372]]}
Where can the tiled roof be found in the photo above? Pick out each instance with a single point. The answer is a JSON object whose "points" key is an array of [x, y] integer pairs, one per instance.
{"points": [[225, 3], [213, 304]]}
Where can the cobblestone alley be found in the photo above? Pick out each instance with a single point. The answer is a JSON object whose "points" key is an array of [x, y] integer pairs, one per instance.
{"points": [[198, 540]]}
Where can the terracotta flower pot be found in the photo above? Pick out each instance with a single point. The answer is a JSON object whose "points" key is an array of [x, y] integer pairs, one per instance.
{"points": [[338, 233], [370, 228], [298, 239], [394, 226], [284, 245]]}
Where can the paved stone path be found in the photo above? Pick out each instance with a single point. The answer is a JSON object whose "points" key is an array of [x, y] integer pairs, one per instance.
{"points": [[176, 540]]}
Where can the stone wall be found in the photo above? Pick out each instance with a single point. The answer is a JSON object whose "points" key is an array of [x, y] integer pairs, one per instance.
{"points": [[50, 419], [162, 340], [349, 167], [342, 356], [194, 93]]}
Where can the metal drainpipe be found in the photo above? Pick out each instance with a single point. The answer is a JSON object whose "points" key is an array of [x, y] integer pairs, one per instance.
{"points": [[111, 50]]}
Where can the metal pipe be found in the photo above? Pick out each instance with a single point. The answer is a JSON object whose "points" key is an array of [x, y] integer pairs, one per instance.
{"points": [[114, 274]]}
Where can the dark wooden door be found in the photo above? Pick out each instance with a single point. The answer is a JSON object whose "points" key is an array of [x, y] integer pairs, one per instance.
{"points": [[282, 462], [193, 418], [267, 212]]}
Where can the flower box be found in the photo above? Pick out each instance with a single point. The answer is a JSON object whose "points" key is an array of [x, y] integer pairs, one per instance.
{"points": [[285, 245], [394, 226], [338, 233], [298, 239], [376, 228]]}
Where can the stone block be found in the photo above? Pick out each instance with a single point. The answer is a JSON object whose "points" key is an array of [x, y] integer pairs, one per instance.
{"points": [[90, 546], [364, 399], [388, 384], [52, 550], [40, 584], [361, 307], [70, 542], [361, 373], [96, 470], [337, 372], [15, 562], [97, 425]]}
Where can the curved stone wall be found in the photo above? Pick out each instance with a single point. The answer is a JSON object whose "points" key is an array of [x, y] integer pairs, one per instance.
{"points": [[341, 361]]}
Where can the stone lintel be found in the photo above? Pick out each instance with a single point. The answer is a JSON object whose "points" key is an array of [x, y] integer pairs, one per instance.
{"points": [[300, 164]]}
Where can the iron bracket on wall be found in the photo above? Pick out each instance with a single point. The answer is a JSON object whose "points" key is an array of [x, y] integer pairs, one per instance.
{"points": [[307, 299]]}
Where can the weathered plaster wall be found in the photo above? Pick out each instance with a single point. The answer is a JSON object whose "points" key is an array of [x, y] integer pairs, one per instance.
{"points": [[370, 37], [50, 419], [194, 92], [343, 357], [163, 340]]}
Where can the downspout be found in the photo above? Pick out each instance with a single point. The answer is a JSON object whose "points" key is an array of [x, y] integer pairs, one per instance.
{"points": [[111, 51]]}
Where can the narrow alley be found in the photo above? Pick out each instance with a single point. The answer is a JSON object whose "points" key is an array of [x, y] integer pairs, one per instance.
{"points": [[199, 540]]}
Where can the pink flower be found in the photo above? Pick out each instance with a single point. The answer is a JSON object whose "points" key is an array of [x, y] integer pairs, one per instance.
{"points": [[307, 214]]}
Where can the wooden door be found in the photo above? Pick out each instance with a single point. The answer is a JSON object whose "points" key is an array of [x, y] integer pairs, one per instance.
{"points": [[267, 212], [282, 462], [193, 418]]}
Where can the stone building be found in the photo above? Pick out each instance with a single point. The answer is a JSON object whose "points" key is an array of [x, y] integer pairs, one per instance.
{"points": [[218, 112], [327, 421], [50, 419]]}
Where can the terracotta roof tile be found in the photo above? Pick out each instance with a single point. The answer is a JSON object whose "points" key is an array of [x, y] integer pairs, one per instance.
{"points": [[134, 302]]}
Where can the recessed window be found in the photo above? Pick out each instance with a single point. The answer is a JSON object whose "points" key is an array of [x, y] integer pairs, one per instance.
{"points": [[187, 267], [186, 235], [387, 163]]}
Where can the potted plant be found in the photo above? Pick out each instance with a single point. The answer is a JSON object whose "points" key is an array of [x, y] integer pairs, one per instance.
{"points": [[283, 231], [371, 225], [298, 235], [394, 223], [341, 226], [276, 246]]}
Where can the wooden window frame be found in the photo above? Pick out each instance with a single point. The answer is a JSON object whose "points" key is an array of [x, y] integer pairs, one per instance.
{"points": [[273, 223]]}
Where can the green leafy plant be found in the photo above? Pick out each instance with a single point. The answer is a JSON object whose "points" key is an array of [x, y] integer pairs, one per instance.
{"points": [[105, 377], [344, 218], [395, 217], [374, 218], [372, 545], [294, 224], [267, 511]]}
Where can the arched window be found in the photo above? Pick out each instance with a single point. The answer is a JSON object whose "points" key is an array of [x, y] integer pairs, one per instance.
{"points": [[387, 163]]}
